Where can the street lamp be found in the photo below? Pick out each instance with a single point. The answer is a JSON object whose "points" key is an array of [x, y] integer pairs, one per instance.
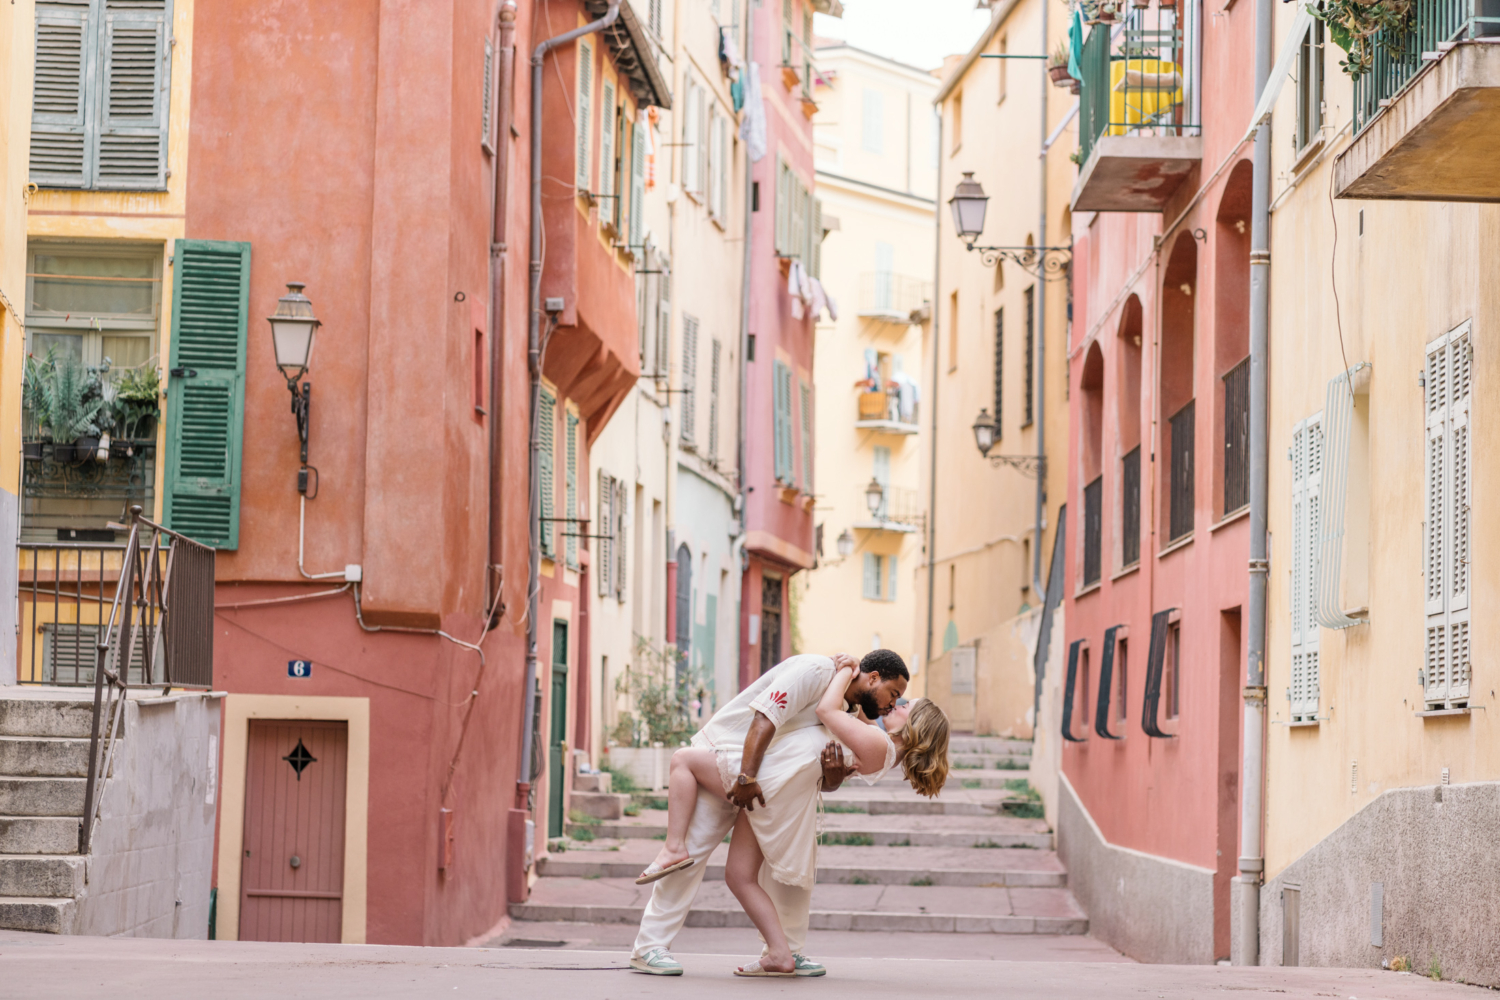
{"points": [[293, 328], [845, 545], [968, 204], [984, 432], [874, 496]]}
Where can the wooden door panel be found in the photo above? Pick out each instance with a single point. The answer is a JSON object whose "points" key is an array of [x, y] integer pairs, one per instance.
{"points": [[292, 874]]}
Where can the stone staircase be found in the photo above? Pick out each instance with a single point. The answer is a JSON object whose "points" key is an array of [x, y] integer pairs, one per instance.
{"points": [[974, 860], [44, 743]]}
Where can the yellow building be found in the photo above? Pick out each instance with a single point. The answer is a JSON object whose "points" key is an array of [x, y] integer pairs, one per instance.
{"points": [[1383, 748], [998, 345], [875, 137]]}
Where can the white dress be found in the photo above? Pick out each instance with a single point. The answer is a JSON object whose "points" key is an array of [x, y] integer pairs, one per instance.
{"points": [[787, 825]]}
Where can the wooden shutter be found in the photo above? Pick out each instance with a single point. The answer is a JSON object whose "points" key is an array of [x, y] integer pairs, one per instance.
{"points": [[607, 152], [570, 489], [805, 401], [1460, 379], [1446, 667], [585, 98], [815, 235], [705, 135], [638, 181], [61, 119], [783, 416], [619, 538], [1307, 462], [783, 207], [133, 105], [713, 402], [546, 436], [689, 377], [890, 593], [690, 140], [487, 141], [206, 390], [603, 524], [871, 590]]}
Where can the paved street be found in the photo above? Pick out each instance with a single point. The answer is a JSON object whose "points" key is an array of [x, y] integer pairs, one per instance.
{"points": [[38, 965]]}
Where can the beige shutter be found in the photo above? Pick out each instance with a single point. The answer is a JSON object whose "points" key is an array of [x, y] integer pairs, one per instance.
{"points": [[585, 97], [620, 509], [1449, 376], [689, 378], [133, 105], [1460, 375], [1307, 462], [602, 524], [59, 100]]}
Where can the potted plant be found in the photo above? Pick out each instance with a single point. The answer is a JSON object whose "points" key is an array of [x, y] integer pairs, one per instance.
{"points": [[1354, 24], [1057, 66], [73, 408], [34, 403], [137, 408]]}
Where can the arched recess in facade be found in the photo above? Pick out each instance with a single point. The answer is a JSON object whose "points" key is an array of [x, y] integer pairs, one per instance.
{"points": [[1231, 427], [1127, 355], [1177, 406], [1091, 461]]}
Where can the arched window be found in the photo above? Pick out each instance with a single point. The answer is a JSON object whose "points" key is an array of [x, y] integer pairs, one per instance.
{"points": [[1177, 408], [1091, 383], [1128, 414], [1232, 344]]}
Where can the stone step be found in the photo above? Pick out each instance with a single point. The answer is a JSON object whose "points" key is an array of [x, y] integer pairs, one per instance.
{"points": [[49, 916], [951, 801], [988, 762], [988, 744], [598, 805], [42, 875], [44, 756], [64, 714], [961, 779], [41, 796], [38, 834], [943, 909], [963, 866], [861, 829]]}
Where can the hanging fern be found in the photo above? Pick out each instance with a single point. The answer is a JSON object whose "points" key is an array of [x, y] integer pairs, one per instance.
{"points": [[1355, 24]]}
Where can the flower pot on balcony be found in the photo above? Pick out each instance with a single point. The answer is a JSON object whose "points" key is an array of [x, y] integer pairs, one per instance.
{"points": [[1060, 76], [63, 452], [85, 448], [872, 405], [31, 450]]}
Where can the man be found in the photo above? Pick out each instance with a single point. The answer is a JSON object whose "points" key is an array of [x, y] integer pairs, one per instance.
{"points": [[782, 700]]}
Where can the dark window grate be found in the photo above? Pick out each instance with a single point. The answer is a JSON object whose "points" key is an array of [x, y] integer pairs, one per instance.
{"points": [[1237, 437], [1093, 518], [999, 366], [1180, 515], [1130, 513], [1031, 375]]}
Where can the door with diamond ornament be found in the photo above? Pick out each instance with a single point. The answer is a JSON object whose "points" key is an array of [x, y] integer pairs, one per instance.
{"points": [[292, 872]]}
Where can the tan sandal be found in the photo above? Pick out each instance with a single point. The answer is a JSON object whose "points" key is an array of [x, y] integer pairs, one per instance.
{"points": [[755, 969], [655, 871]]}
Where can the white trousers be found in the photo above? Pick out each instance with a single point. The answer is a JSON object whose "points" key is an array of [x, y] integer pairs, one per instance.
{"points": [[672, 897]]}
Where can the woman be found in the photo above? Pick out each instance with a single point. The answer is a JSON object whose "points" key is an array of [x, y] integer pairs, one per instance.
{"points": [[782, 833]]}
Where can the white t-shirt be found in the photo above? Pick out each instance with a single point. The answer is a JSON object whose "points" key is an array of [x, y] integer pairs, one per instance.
{"points": [[787, 694]]}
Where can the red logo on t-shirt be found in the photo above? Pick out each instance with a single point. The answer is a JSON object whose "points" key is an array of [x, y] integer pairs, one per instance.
{"points": [[777, 698]]}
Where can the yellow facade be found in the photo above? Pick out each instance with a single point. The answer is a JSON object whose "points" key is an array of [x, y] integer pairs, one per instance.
{"points": [[15, 129], [1352, 282], [876, 180], [984, 595]]}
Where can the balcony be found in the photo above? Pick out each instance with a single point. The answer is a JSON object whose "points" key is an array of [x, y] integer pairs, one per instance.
{"points": [[1427, 119], [1138, 130], [881, 410], [894, 299], [900, 512]]}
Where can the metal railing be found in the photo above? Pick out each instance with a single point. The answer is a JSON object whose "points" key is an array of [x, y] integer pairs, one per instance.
{"points": [[894, 297], [903, 506], [885, 405], [1432, 24], [1236, 437], [1139, 77], [1180, 471], [159, 587], [1093, 530]]}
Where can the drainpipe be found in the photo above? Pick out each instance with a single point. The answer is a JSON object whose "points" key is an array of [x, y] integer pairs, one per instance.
{"points": [[534, 364], [1038, 591], [937, 274], [500, 143], [738, 544], [1252, 860]]}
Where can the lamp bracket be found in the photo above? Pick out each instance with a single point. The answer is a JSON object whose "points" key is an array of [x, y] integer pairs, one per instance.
{"points": [[1047, 263], [1027, 465]]}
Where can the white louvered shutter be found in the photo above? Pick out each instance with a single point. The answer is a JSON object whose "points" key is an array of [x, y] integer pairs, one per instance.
{"points": [[621, 520], [691, 140], [1446, 663], [546, 456], [1307, 475], [601, 524], [890, 593], [713, 402], [488, 101], [61, 115], [638, 182], [871, 590], [607, 151], [689, 378], [1460, 378], [133, 105], [1435, 645]]}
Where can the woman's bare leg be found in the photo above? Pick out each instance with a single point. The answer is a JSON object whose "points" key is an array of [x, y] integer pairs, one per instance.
{"points": [[742, 873], [691, 768]]}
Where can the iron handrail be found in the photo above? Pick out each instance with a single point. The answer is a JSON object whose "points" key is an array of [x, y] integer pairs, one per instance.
{"points": [[1139, 78]]}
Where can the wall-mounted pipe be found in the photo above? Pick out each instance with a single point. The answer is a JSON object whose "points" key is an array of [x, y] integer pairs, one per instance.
{"points": [[505, 63]]}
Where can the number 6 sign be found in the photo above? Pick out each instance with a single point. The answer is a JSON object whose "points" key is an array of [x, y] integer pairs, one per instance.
{"points": [[299, 668]]}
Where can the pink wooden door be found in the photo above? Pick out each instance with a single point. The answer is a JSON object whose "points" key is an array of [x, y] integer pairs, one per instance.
{"points": [[292, 879]]}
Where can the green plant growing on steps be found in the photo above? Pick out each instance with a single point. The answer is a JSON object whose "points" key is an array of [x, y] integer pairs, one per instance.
{"points": [[963, 765], [856, 880], [582, 833], [843, 807], [1434, 969], [900, 843], [632, 810], [1009, 764], [846, 840], [922, 880], [582, 819], [619, 782], [659, 693], [973, 783]]}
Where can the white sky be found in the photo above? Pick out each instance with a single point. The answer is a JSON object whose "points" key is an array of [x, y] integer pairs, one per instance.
{"points": [[917, 32]]}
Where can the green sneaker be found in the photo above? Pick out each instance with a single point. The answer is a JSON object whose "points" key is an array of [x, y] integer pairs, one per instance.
{"points": [[807, 967], [659, 962]]}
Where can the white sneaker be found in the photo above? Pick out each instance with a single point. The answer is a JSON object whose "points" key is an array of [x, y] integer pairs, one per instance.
{"points": [[656, 962]]}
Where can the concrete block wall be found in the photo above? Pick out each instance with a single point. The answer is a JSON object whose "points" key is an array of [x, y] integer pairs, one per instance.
{"points": [[151, 866], [1433, 850]]}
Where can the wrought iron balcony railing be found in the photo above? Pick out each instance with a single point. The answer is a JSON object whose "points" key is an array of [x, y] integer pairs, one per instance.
{"points": [[1139, 77], [895, 298], [1433, 26]]}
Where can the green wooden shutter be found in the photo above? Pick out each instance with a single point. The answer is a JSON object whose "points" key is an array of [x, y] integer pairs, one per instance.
{"points": [[638, 181], [571, 490], [206, 393], [546, 418], [805, 401], [60, 113], [132, 149]]}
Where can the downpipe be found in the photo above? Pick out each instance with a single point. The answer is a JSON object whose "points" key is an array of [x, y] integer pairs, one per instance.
{"points": [[500, 143], [1040, 375], [1252, 782], [534, 367]]}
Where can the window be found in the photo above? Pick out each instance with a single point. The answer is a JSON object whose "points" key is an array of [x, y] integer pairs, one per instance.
{"points": [[1002, 62], [692, 141], [1307, 496], [1122, 686], [1130, 508], [617, 532], [585, 99], [879, 581], [805, 402], [1446, 670], [882, 475], [654, 18], [794, 212], [885, 280], [689, 379], [999, 369], [1310, 85], [487, 102], [94, 301], [1030, 373], [935, 148], [815, 234], [609, 207], [952, 332], [782, 417], [956, 125], [99, 101], [663, 317], [1093, 521], [1237, 437], [872, 131], [1172, 672], [546, 418], [770, 622], [718, 154], [713, 402], [1180, 475]]}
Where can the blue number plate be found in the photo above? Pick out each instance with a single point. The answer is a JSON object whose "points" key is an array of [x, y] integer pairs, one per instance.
{"points": [[299, 668]]}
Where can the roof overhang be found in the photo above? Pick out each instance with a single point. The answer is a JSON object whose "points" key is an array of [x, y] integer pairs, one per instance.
{"points": [[631, 47]]}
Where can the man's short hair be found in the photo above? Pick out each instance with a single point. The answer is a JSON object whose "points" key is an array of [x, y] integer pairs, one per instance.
{"points": [[886, 662]]}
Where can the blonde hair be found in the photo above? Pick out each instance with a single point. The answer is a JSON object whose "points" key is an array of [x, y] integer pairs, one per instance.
{"points": [[924, 757]]}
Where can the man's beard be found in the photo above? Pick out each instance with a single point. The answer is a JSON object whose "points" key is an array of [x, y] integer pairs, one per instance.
{"points": [[870, 706]]}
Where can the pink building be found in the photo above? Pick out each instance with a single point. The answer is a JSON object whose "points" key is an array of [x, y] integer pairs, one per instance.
{"points": [[1158, 479], [786, 229]]}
